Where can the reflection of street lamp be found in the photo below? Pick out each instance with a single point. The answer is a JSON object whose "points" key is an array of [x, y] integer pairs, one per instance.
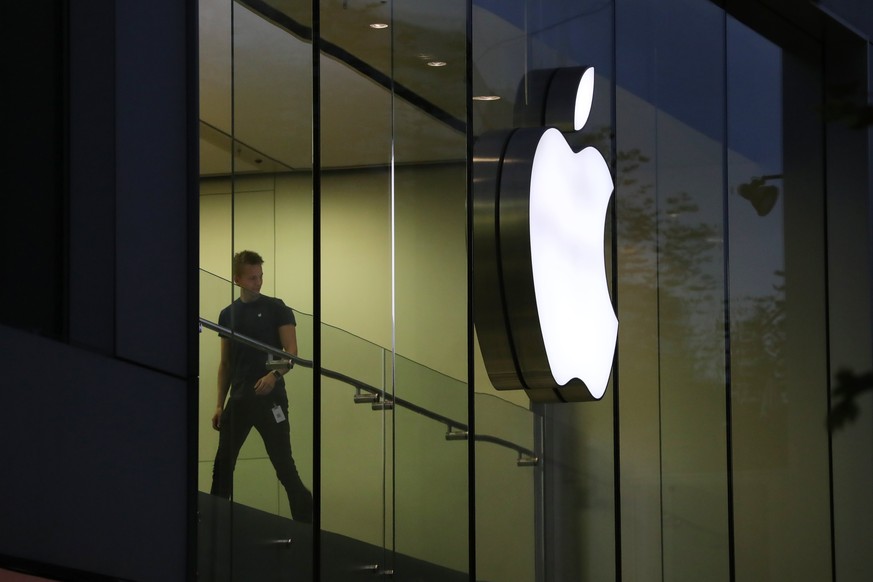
{"points": [[762, 196]]}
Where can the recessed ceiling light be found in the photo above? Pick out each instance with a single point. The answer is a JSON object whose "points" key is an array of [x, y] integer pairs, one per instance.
{"points": [[378, 25], [486, 98], [436, 64]]}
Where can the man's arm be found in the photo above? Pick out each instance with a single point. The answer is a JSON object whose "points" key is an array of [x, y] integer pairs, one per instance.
{"points": [[223, 382], [288, 337]]}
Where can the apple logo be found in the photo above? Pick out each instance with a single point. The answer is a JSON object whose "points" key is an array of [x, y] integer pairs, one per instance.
{"points": [[542, 307]]}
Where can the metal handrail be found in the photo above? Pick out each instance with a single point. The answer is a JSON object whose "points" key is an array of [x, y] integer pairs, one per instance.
{"points": [[456, 430]]}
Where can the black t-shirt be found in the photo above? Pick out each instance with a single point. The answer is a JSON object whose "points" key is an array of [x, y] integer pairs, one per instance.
{"points": [[260, 320]]}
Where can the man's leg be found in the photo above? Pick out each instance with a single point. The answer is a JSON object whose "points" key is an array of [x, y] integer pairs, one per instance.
{"points": [[236, 423], [277, 441]]}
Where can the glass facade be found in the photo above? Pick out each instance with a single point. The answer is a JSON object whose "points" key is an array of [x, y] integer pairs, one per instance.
{"points": [[323, 140], [336, 140]]}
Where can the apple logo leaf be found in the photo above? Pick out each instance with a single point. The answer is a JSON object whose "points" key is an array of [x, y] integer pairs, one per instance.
{"points": [[584, 99]]}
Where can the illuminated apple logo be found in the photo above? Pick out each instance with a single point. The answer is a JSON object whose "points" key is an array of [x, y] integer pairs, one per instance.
{"points": [[569, 195], [543, 312]]}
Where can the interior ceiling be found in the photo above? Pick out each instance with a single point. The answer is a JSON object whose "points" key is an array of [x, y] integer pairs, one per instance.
{"points": [[256, 84], [374, 83]]}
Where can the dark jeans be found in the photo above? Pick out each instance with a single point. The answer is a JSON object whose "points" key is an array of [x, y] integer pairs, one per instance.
{"points": [[236, 422]]}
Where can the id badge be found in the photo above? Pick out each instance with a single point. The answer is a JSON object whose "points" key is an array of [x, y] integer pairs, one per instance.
{"points": [[277, 412]]}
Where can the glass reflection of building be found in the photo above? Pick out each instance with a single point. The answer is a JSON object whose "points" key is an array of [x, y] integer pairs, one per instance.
{"points": [[739, 262]]}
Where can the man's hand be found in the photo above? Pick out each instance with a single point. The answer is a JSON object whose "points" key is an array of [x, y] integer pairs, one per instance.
{"points": [[216, 418], [265, 385]]}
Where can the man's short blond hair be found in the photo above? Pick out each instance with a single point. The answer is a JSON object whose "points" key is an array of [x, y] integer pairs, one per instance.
{"points": [[245, 258]]}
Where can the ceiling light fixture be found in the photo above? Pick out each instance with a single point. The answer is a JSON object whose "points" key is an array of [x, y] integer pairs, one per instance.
{"points": [[378, 25], [486, 98], [436, 64]]}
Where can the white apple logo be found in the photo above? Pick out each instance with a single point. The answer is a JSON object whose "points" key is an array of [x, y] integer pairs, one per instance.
{"points": [[544, 318], [569, 195]]}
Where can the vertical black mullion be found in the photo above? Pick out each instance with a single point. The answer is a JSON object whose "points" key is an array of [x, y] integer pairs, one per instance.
{"points": [[827, 300], [316, 288], [727, 307], [193, 258], [616, 416], [233, 250], [66, 145], [658, 251], [471, 368], [540, 561]]}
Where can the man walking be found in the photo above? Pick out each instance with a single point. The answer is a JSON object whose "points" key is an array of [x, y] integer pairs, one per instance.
{"points": [[257, 396]]}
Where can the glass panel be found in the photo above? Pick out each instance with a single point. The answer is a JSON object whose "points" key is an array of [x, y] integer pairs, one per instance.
{"points": [[240, 540], [579, 471], [777, 312], [689, 161], [431, 329], [671, 288], [576, 501], [215, 539], [256, 194], [507, 503], [381, 242], [637, 261], [429, 186], [214, 535], [356, 282], [847, 71], [353, 453], [431, 502], [506, 511]]}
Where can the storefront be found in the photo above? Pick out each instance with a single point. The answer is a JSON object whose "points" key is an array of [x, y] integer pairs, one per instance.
{"points": [[726, 242], [343, 142]]}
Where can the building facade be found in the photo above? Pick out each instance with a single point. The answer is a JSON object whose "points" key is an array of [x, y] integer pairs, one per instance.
{"points": [[339, 140]]}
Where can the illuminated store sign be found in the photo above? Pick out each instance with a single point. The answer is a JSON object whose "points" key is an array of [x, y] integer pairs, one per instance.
{"points": [[543, 313]]}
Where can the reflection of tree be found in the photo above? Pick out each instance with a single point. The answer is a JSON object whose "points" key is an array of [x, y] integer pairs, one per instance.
{"points": [[760, 388], [665, 245], [758, 334], [668, 245], [683, 261], [849, 387], [849, 105]]}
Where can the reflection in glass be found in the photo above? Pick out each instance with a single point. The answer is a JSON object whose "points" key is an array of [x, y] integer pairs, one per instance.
{"points": [[689, 154], [778, 365], [670, 188]]}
